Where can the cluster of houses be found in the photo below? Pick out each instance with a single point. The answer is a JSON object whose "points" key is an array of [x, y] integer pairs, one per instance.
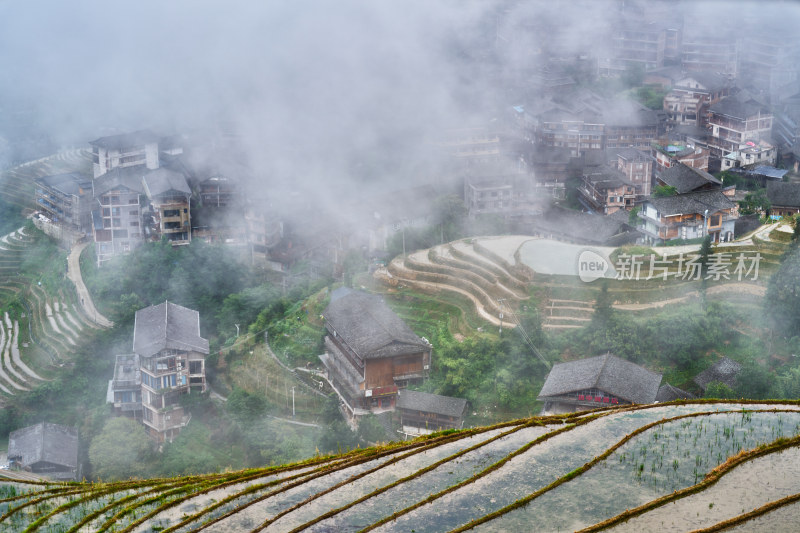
{"points": [[144, 188], [730, 104]]}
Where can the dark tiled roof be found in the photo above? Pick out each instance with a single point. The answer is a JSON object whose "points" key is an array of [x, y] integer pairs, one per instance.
{"points": [[70, 183], [735, 107], [667, 393], [629, 154], [130, 178], [162, 180], [167, 325], [126, 140], [783, 194], [710, 81], [48, 442], [606, 178], [431, 403], [693, 202], [725, 371], [577, 226], [370, 328], [687, 179], [608, 373]]}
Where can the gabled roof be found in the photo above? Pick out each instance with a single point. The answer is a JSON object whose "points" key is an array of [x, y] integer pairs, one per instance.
{"points": [[736, 107], [783, 194], [45, 442], [126, 140], [370, 328], [129, 178], [607, 178], [692, 203], [431, 403], [579, 227], [725, 371], [71, 183], [667, 393], [162, 180], [629, 154], [687, 179], [710, 81], [608, 373], [167, 325]]}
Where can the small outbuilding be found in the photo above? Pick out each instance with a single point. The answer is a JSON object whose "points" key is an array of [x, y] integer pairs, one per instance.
{"points": [[423, 412], [45, 448], [723, 371]]}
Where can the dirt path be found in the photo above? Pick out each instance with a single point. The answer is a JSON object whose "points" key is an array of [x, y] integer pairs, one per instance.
{"points": [[83, 293], [756, 290]]}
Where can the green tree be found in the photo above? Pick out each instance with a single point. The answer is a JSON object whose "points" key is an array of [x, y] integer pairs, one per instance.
{"points": [[661, 191], [719, 390], [121, 451], [782, 301], [370, 430], [755, 203], [633, 216]]}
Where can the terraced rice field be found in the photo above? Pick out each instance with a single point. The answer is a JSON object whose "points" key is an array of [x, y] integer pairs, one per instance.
{"points": [[679, 466], [41, 324], [491, 278]]}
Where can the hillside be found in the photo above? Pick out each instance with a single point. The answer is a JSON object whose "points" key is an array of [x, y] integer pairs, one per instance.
{"points": [[682, 466]]}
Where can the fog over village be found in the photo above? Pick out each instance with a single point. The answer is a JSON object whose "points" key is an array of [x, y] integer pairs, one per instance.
{"points": [[427, 266]]}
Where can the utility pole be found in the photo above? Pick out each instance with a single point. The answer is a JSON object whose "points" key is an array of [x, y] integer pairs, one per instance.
{"points": [[237, 330], [292, 402]]}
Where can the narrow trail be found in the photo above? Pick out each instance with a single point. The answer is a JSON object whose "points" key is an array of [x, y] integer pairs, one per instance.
{"points": [[75, 276]]}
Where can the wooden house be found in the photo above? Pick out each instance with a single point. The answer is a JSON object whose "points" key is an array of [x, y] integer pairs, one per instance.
{"points": [[597, 382], [689, 216], [370, 353], [784, 198], [166, 337], [422, 412], [47, 449]]}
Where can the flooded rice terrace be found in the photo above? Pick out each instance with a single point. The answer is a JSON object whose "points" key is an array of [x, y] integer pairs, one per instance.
{"points": [[560, 476]]}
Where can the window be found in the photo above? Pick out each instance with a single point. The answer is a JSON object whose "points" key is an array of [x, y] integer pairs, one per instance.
{"points": [[133, 201], [116, 222], [120, 234], [134, 223], [114, 200], [106, 212], [134, 213], [172, 213], [195, 367]]}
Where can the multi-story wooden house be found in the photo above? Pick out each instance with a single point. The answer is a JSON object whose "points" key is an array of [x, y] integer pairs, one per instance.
{"points": [[169, 193], [689, 216], [689, 99], [736, 120], [370, 353], [166, 338]]}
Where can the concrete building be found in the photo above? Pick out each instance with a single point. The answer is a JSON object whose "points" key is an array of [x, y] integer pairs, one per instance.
{"points": [[139, 148]]}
